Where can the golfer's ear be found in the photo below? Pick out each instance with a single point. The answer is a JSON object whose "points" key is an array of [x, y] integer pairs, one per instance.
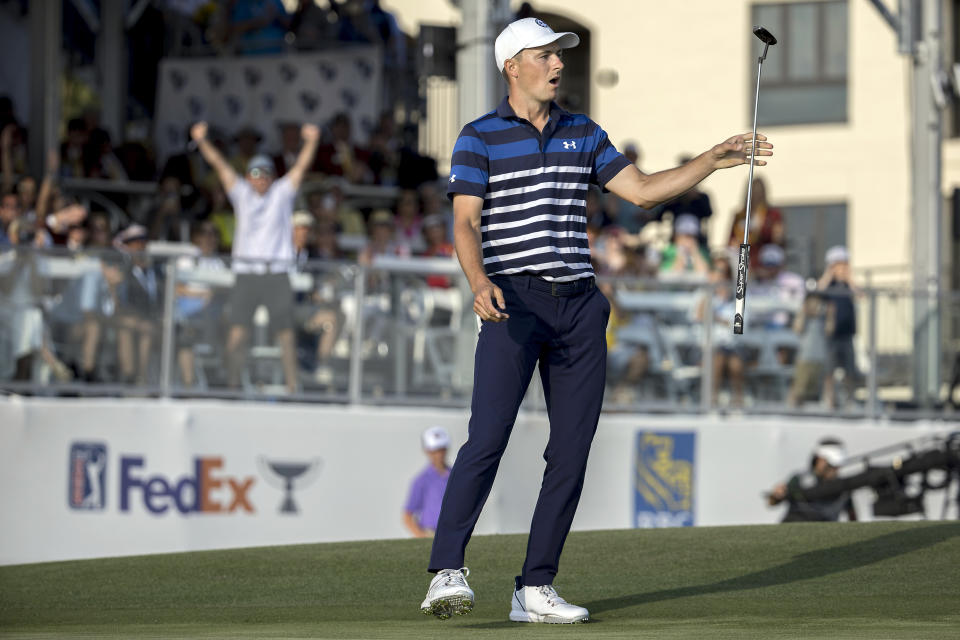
{"points": [[510, 67]]}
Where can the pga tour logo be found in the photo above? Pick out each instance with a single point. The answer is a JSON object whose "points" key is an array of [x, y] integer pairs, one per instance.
{"points": [[206, 488], [87, 476]]}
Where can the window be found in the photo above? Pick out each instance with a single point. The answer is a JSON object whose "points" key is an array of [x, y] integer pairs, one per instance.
{"points": [[810, 231], [805, 74]]}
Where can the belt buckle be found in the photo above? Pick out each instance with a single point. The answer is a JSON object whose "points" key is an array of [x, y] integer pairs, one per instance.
{"points": [[553, 289]]}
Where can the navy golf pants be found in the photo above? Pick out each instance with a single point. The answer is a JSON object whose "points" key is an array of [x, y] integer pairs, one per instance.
{"points": [[564, 331]]}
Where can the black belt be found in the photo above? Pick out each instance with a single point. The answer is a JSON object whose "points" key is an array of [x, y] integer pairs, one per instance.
{"points": [[562, 289]]}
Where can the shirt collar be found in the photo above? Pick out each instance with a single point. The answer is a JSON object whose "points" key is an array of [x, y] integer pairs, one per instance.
{"points": [[505, 111]]}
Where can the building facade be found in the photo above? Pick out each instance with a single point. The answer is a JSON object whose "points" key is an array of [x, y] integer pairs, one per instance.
{"points": [[676, 78]]}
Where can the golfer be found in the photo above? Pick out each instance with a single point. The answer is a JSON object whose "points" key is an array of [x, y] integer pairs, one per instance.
{"points": [[518, 181]]}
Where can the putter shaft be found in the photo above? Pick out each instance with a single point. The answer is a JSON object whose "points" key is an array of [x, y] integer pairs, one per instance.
{"points": [[744, 259]]}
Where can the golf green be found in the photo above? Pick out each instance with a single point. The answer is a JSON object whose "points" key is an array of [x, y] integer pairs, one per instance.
{"points": [[857, 580]]}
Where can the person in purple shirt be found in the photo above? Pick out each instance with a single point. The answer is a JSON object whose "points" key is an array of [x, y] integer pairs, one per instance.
{"points": [[426, 491]]}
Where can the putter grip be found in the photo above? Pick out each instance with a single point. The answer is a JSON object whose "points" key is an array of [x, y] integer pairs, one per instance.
{"points": [[741, 291]]}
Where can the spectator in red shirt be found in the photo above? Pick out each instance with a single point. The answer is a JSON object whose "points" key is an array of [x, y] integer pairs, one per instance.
{"points": [[766, 223], [435, 236]]}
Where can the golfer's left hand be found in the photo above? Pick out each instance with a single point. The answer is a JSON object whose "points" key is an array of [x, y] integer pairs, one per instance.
{"points": [[736, 151]]}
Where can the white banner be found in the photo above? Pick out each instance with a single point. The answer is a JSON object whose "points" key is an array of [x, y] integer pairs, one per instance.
{"points": [[261, 91], [89, 478]]}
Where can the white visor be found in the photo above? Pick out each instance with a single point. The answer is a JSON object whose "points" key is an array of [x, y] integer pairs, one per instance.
{"points": [[834, 454]]}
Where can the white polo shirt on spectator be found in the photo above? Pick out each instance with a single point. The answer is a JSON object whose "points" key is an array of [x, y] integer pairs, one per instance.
{"points": [[263, 238]]}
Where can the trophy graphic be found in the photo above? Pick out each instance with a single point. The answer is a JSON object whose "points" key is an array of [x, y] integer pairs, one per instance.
{"points": [[284, 474]]}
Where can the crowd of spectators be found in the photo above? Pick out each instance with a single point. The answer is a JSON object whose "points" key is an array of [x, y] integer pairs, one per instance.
{"points": [[258, 27], [192, 207], [667, 246], [118, 307]]}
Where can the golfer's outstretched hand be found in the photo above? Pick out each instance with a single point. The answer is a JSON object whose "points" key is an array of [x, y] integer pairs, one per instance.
{"points": [[488, 302], [736, 151]]}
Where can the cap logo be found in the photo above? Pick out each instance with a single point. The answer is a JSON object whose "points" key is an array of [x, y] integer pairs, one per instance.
{"points": [[541, 23]]}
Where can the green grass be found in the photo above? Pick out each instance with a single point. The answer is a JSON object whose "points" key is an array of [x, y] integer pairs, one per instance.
{"points": [[877, 580]]}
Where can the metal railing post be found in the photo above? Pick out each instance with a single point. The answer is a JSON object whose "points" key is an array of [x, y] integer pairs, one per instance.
{"points": [[356, 347], [872, 404], [706, 360], [166, 345]]}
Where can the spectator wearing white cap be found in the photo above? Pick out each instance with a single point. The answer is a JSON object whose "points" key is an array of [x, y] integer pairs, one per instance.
{"points": [[316, 316], [262, 245], [426, 491], [303, 223], [140, 303], [838, 289], [827, 457], [685, 255], [775, 282]]}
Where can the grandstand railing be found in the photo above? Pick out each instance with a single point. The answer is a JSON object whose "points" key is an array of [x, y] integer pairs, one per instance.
{"points": [[402, 331]]}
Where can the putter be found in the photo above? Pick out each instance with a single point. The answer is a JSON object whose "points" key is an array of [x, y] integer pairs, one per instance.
{"points": [[741, 293]]}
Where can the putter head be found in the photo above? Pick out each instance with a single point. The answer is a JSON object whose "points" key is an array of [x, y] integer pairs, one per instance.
{"points": [[765, 36]]}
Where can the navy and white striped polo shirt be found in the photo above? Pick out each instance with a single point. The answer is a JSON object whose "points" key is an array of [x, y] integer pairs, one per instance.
{"points": [[534, 189]]}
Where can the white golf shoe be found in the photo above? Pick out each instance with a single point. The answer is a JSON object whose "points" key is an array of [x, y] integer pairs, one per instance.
{"points": [[448, 594], [543, 604]]}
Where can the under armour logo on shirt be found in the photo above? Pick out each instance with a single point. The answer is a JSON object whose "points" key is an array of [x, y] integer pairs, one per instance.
{"points": [[453, 177], [569, 144]]}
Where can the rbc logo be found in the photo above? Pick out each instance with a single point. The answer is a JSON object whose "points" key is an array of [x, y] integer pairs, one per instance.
{"points": [[86, 482], [664, 479]]}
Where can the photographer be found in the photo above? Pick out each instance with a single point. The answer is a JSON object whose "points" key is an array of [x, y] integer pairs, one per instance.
{"points": [[826, 458]]}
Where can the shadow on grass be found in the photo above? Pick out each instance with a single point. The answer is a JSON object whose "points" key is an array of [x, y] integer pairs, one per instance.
{"points": [[814, 564]]}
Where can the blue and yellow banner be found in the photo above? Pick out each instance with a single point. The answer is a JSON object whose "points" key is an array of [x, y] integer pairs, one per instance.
{"points": [[663, 479]]}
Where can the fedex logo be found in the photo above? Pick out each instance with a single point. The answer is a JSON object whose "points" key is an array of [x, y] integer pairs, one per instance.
{"points": [[208, 490]]}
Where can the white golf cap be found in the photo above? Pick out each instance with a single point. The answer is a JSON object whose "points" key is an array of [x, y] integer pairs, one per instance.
{"points": [[686, 225], [836, 254], [302, 219], [772, 255], [527, 33], [834, 454], [435, 438]]}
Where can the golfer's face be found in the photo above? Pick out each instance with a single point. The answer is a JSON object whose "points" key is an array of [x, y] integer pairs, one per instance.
{"points": [[540, 71]]}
